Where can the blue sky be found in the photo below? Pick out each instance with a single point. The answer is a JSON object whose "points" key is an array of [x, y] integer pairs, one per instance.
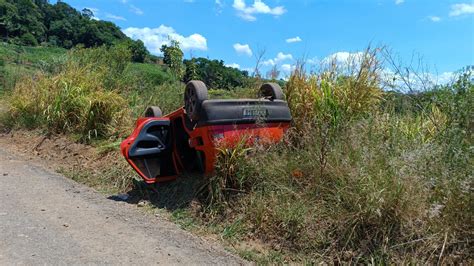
{"points": [[442, 31]]}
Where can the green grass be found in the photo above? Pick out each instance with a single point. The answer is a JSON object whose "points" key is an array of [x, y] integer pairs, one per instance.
{"points": [[18, 62], [25, 55], [143, 76]]}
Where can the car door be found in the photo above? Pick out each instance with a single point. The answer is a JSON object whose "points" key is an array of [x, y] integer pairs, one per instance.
{"points": [[149, 150]]}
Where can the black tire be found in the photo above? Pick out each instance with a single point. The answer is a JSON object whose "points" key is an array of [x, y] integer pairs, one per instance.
{"points": [[194, 94], [153, 111], [271, 91]]}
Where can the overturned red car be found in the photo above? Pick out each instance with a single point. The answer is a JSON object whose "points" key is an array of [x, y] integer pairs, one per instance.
{"points": [[161, 147]]}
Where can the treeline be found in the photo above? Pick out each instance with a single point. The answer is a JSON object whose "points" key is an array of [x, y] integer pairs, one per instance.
{"points": [[35, 22], [214, 73]]}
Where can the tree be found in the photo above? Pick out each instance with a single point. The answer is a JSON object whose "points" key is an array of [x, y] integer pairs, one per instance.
{"points": [[214, 73], [61, 31], [28, 39], [2, 74], [258, 60], [21, 21], [138, 50], [29, 20], [59, 24], [8, 14], [191, 72], [86, 12], [173, 57]]}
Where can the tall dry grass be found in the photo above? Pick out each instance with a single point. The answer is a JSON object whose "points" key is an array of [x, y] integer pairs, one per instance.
{"points": [[79, 99], [92, 93], [356, 181]]}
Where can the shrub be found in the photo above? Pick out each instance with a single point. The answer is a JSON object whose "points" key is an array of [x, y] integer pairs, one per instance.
{"points": [[173, 58], [225, 181], [28, 39], [336, 94], [82, 98], [322, 104], [354, 182]]}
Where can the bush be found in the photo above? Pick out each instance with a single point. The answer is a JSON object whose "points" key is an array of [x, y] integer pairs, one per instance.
{"points": [[322, 104], [139, 51], [225, 181], [355, 182], [28, 39], [337, 94], [82, 98], [215, 74], [385, 196]]}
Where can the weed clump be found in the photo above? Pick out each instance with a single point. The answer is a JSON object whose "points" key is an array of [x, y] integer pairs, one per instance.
{"points": [[225, 183]]}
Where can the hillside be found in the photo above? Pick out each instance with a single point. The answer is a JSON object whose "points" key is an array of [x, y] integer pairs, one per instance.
{"points": [[37, 23], [29, 22]]}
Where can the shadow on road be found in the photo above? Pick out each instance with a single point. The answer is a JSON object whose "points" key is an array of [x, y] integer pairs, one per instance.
{"points": [[168, 195]]}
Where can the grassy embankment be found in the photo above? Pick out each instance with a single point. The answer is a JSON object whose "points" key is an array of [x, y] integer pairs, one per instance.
{"points": [[362, 176]]}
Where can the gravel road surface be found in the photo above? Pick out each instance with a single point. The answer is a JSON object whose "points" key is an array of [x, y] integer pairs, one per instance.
{"points": [[46, 218]]}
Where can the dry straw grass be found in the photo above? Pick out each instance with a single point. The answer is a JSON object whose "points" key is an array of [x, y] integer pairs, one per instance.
{"points": [[354, 182], [79, 99]]}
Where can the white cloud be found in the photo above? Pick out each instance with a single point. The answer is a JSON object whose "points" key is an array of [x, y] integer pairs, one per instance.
{"points": [[115, 17], [219, 6], [339, 58], [295, 39], [154, 38], [444, 78], [243, 49], [461, 9], [136, 10], [93, 9], [399, 2], [282, 57], [259, 7], [343, 57], [234, 65], [132, 8], [287, 68], [278, 59], [422, 81], [434, 18], [313, 61]]}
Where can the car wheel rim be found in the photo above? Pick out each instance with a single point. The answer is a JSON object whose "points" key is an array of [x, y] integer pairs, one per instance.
{"points": [[191, 101]]}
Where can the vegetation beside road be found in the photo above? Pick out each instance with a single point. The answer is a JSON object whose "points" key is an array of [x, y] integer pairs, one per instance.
{"points": [[356, 180], [368, 172], [364, 175]]}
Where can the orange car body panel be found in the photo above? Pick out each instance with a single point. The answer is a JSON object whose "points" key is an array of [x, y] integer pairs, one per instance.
{"points": [[204, 139]]}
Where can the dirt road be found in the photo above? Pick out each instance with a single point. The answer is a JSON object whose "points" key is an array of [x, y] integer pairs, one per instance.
{"points": [[46, 218]]}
